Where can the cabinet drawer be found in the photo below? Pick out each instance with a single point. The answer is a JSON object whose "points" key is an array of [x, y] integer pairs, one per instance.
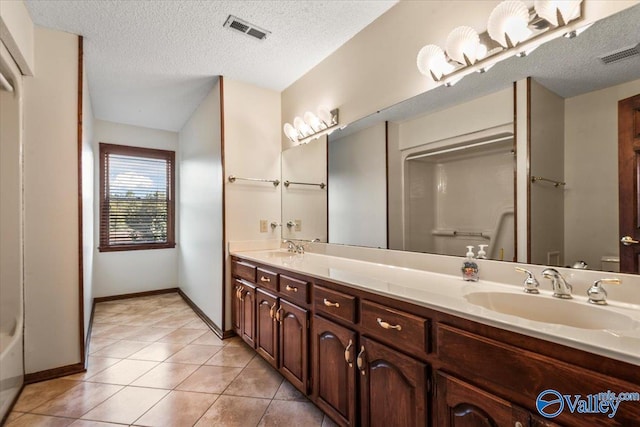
{"points": [[396, 327], [294, 289], [267, 279], [334, 303], [243, 270]]}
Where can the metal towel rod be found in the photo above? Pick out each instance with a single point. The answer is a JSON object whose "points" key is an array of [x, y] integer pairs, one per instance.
{"points": [[288, 183], [275, 182], [554, 182]]}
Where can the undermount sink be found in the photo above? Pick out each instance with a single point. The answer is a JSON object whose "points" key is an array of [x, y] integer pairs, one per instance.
{"points": [[549, 310], [280, 254]]}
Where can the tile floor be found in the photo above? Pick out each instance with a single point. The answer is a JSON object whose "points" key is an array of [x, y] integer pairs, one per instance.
{"points": [[153, 362]]}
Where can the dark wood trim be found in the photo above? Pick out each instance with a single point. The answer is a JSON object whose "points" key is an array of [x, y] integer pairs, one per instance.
{"points": [[210, 323], [528, 170], [135, 295], [80, 205], [3, 421], [154, 153], [326, 164], [224, 222], [515, 172], [386, 165], [50, 374]]}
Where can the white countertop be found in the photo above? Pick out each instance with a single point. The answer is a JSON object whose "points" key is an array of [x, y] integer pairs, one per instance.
{"points": [[447, 293]]}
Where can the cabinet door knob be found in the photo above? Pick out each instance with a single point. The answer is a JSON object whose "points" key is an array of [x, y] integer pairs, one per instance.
{"points": [[265, 279], [518, 424], [271, 310], [360, 361], [331, 304], [279, 315], [347, 354], [291, 288], [386, 325]]}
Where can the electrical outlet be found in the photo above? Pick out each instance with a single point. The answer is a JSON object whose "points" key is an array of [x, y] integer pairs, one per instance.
{"points": [[298, 225], [263, 225]]}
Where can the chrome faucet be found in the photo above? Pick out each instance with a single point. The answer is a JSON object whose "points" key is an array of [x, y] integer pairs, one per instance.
{"points": [[597, 294], [294, 247], [530, 283], [561, 289]]}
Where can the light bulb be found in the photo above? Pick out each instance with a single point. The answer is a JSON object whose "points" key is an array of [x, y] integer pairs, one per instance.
{"points": [[313, 121], [290, 132], [303, 128]]}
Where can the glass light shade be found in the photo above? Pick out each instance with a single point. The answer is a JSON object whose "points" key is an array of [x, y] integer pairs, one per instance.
{"points": [[463, 44], [549, 10], [432, 62], [313, 121], [290, 132], [481, 52], [303, 128], [325, 115], [509, 19]]}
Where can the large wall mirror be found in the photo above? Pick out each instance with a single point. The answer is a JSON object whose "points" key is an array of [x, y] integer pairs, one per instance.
{"points": [[438, 172]]}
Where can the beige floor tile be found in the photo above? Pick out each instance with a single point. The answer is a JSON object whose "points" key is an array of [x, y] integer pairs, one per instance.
{"points": [[98, 343], [33, 420], [36, 394], [235, 342], [328, 422], [78, 401], [99, 328], [178, 408], [13, 416], [157, 351], [232, 411], [89, 423], [119, 332], [95, 365], [127, 405], [255, 383], [182, 335], [259, 363], [209, 379], [121, 349], [197, 324], [195, 354], [289, 392], [150, 334], [282, 413], [165, 375], [124, 372], [174, 321], [208, 338], [233, 356]]}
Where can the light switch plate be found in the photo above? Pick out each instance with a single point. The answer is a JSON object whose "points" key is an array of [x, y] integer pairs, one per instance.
{"points": [[298, 225], [263, 225]]}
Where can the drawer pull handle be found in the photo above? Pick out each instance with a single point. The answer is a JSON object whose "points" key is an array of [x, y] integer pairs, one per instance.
{"points": [[360, 361], [347, 354], [271, 310], [291, 288], [518, 424], [331, 304], [265, 279], [386, 325]]}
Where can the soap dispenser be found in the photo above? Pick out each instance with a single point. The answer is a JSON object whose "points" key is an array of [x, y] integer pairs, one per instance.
{"points": [[482, 254], [469, 267]]}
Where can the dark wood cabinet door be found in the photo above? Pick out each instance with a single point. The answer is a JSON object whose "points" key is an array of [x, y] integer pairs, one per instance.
{"points": [[237, 309], [334, 370], [294, 344], [266, 326], [393, 387], [248, 302], [462, 405]]}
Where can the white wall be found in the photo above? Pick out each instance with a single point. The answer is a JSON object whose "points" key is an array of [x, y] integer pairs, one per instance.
{"points": [[201, 246], [51, 204], [17, 34], [547, 161], [357, 188], [124, 272], [252, 150], [88, 211], [305, 163], [591, 172]]}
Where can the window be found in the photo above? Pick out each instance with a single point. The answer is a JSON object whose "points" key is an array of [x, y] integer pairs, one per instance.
{"points": [[137, 198]]}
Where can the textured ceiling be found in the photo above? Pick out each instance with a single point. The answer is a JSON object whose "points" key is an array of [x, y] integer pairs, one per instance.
{"points": [[568, 67], [150, 63]]}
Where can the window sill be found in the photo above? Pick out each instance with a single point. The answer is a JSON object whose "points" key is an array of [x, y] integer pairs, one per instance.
{"points": [[141, 247]]}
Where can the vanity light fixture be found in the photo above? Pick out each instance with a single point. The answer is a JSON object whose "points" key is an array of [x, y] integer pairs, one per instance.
{"points": [[312, 126], [511, 24]]}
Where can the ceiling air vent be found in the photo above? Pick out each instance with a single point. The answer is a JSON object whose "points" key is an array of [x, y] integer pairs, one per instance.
{"points": [[621, 54], [246, 27]]}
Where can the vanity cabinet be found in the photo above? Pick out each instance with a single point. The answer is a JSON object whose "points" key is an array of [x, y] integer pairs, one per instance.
{"points": [[267, 326], [244, 311]]}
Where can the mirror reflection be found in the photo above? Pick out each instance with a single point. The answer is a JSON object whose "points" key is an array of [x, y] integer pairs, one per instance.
{"points": [[437, 172]]}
